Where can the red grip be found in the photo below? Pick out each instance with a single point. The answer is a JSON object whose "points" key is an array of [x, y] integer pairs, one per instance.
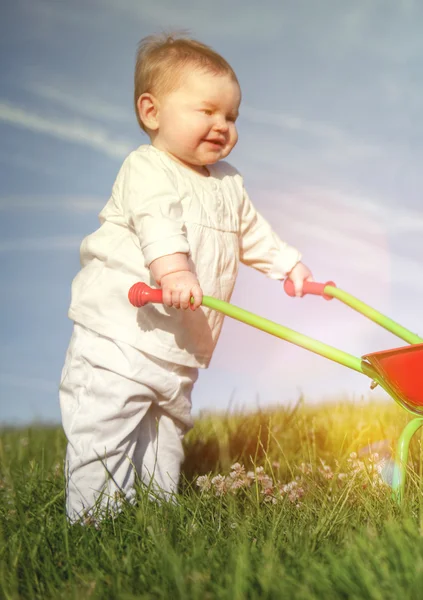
{"points": [[309, 287], [141, 294]]}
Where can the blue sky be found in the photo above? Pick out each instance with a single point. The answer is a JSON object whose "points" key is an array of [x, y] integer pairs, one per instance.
{"points": [[330, 148]]}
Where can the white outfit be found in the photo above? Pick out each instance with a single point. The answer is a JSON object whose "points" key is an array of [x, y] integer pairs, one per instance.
{"points": [[157, 207], [124, 414], [160, 207]]}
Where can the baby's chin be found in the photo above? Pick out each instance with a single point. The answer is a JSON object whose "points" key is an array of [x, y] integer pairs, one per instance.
{"points": [[215, 155], [199, 159]]}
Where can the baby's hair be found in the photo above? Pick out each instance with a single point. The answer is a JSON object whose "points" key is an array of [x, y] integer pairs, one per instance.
{"points": [[161, 59]]}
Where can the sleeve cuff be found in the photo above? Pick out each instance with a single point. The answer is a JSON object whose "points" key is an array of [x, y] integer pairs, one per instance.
{"points": [[283, 262], [172, 245]]}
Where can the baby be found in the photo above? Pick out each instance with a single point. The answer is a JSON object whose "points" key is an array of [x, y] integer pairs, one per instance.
{"points": [[179, 217]]}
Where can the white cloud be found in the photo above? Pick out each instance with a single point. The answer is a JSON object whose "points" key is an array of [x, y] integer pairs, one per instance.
{"points": [[79, 101], [321, 202], [345, 140], [74, 204], [75, 131], [236, 20], [350, 235], [40, 244], [404, 220]]}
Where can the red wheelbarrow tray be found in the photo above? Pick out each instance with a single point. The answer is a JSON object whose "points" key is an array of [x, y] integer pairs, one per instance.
{"points": [[401, 370]]}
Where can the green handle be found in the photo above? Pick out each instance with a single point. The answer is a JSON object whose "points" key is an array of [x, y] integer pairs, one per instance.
{"points": [[374, 315], [329, 291], [284, 333], [140, 294]]}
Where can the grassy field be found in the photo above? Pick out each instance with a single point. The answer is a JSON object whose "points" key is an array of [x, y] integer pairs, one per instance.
{"points": [[276, 504]]}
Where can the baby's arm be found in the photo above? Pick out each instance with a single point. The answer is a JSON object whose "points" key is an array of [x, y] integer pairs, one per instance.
{"points": [[153, 208], [262, 249], [178, 283]]}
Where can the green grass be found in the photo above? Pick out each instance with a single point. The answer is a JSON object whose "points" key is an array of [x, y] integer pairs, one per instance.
{"points": [[329, 536]]}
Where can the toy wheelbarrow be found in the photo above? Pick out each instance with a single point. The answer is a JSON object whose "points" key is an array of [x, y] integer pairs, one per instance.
{"points": [[398, 371]]}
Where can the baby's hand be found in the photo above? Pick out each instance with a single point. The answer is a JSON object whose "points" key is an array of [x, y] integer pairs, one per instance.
{"points": [[299, 274], [179, 287]]}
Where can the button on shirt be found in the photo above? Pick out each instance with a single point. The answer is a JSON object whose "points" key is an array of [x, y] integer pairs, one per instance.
{"points": [[160, 207]]}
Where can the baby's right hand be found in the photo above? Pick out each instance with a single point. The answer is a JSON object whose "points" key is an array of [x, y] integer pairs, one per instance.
{"points": [[179, 287]]}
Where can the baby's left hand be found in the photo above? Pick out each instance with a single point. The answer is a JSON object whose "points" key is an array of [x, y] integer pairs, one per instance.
{"points": [[299, 274]]}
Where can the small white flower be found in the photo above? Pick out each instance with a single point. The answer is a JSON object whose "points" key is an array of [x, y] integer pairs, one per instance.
{"points": [[203, 482], [306, 468]]}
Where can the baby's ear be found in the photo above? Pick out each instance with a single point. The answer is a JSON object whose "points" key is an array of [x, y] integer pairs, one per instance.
{"points": [[148, 111]]}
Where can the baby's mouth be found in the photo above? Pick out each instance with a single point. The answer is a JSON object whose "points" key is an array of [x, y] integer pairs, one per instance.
{"points": [[215, 143]]}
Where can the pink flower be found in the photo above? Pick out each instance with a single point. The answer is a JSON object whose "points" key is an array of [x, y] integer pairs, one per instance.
{"points": [[237, 471], [219, 483]]}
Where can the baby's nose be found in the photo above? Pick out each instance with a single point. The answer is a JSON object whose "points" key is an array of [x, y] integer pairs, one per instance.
{"points": [[221, 124]]}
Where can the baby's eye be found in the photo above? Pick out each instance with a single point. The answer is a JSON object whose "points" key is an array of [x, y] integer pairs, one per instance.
{"points": [[207, 111]]}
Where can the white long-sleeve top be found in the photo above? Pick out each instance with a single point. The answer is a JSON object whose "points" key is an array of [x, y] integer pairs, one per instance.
{"points": [[159, 207]]}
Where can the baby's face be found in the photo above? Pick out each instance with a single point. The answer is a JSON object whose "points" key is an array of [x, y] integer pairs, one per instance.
{"points": [[196, 122]]}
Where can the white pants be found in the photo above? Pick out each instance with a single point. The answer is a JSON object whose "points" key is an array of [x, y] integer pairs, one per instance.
{"points": [[124, 414]]}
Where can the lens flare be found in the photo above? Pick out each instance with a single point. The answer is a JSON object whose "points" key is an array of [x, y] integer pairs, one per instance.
{"points": [[380, 453]]}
